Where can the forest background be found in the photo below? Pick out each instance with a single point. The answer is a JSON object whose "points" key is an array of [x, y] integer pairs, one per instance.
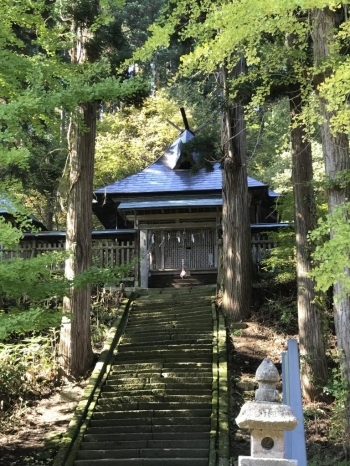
{"points": [[271, 85]]}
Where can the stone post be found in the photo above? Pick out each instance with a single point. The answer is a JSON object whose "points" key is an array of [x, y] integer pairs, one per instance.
{"points": [[267, 419]]}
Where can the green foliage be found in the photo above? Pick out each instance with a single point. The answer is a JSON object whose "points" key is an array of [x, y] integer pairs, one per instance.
{"points": [[283, 313], [34, 279], [9, 235], [268, 143], [41, 89], [131, 139], [40, 278], [33, 283], [331, 255], [208, 147], [282, 257], [96, 276], [22, 322]]}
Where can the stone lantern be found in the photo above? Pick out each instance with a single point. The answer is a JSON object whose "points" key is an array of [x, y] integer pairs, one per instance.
{"points": [[267, 419]]}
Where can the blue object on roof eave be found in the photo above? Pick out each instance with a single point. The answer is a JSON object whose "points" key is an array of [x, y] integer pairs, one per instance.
{"points": [[273, 193], [94, 233], [170, 203], [269, 226]]}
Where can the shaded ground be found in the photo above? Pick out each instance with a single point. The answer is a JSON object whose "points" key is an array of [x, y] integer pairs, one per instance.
{"points": [[31, 435]]}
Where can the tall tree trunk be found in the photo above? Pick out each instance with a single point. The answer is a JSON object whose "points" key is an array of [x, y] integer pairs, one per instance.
{"points": [[75, 342], [314, 368], [237, 255], [336, 159]]}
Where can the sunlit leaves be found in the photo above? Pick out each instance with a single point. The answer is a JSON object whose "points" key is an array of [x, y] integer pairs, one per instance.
{"points": [[332, 253], [130, 139]]}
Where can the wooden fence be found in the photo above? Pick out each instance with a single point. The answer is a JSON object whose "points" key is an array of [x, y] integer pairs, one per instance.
{"points": [[110, 253], [261, 248], [105, 253], [114, 252]]}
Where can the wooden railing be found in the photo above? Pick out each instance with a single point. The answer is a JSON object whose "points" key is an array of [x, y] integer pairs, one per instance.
{"points": [[105, 253], [28, 249], [110, 253], [261, 248]]}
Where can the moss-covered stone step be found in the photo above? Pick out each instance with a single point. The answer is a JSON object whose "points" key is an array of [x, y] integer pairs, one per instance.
{"points": [[160, 368], [174, 323], [116, 437], [164, 373], [146, 429], [109, 405], [138, 315], [146, 453], [172, 311], [144, 343], [164, 357], [155, 378], [146, 365], [110, 397], [168, 301], [166, 329], [207, 347], [153, 413], [183, 309], [144, 462], [140, 444], [160, 376], [159, 385], [164, 336], [164, 351], [155, 421], [121, 380], [113, 390]]}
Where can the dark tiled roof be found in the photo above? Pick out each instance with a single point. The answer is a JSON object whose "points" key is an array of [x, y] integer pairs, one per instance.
{"points": [[160, 177], [7, 208]]}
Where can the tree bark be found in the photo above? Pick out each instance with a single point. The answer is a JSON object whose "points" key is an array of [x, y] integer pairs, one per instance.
{"points": [[75, 341], [336, 159], [237, 255], [311, 344]]}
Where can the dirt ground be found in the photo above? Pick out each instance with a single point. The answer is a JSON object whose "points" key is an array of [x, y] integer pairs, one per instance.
{"points": [[32, 433]]}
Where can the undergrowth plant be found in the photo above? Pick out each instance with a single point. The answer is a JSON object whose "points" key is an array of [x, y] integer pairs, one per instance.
{"points": [[104, 309], [28, 368], [338, 388]]}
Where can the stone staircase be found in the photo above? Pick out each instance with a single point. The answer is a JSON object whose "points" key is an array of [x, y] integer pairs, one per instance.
{"points": [[156, 405]]}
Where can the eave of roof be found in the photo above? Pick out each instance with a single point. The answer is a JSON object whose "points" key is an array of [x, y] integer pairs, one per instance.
{"points": [[175, 201], [94, 234]]}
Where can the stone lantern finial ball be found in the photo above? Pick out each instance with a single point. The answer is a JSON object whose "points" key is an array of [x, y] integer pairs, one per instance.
{"points": [[267, 372]]}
